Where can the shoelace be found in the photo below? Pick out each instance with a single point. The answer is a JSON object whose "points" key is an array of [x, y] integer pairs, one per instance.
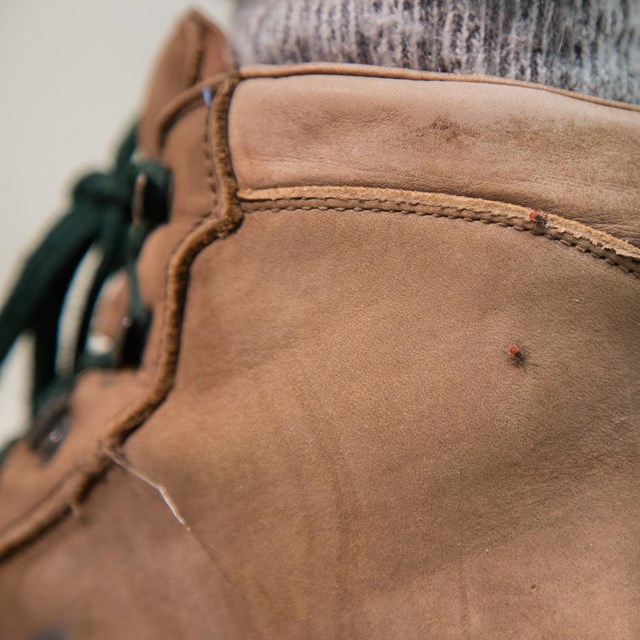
{"points": [[112, 213]]}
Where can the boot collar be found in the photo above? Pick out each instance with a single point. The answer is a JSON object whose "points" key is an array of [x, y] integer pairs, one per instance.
{"points": [[319, 125]]}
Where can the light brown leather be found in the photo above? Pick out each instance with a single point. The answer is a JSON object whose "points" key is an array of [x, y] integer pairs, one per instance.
{"points": [[334, 438], [348, 433], [506, 142], [120, 559], [197, 50], [112, 307]]}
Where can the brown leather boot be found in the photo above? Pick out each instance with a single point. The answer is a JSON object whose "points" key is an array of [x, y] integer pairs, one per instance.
{"points": [[390, 384]]}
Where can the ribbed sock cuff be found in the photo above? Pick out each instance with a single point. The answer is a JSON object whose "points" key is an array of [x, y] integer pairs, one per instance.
{"points": [[587, 46]]}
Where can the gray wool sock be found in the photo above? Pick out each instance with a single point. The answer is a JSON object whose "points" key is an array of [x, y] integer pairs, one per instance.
{"points": [[587, 46]]}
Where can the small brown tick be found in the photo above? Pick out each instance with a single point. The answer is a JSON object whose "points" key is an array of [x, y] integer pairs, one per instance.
{"points": [[537, 217], [517, 355]]}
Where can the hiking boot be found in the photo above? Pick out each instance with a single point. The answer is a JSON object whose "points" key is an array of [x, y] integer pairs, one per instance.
{"points": [[360, 360]]}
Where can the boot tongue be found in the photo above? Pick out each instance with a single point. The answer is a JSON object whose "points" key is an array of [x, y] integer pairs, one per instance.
{"points": [[197, 50]]}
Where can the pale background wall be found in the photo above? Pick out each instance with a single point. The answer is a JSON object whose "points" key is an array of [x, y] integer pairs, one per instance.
{"points": [[71, 77]]}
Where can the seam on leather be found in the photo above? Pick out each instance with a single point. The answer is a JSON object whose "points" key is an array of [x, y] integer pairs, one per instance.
{"points": [[345, 195], [183, 104], [256, 196], [209, 159], [627, 263]]}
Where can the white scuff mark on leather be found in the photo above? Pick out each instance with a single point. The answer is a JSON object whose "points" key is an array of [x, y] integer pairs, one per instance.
{"points": [[161, 489]]}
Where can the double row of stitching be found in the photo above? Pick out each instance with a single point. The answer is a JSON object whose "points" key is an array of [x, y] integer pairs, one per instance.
{"points": [[571, 234]]}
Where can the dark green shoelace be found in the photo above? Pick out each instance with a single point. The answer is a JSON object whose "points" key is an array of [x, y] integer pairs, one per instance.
{"points": [[102, 218]]}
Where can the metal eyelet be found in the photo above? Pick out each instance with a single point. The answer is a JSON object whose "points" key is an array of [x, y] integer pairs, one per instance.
{"points": [[152, 194]]}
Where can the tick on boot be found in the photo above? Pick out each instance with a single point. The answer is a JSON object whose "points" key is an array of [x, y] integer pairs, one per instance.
{"points": [[538, 218], [517, 355]]}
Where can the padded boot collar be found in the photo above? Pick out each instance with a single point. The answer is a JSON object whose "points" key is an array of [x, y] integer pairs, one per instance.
{"points": [[520, 143], [361, 126]]}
